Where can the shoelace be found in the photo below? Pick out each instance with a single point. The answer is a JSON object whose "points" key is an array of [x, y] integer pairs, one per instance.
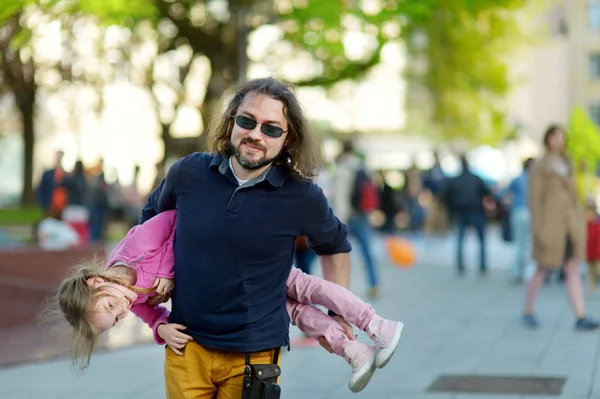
{"points": [[380, 341]]}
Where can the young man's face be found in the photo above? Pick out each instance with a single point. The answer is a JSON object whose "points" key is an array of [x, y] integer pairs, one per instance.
{"points": [[254, 149]]}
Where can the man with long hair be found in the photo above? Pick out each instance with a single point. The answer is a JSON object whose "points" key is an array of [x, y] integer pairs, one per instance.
{"points": [[240, 208]]}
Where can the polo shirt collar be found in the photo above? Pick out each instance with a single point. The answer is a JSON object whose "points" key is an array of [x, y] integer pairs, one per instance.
{"points": [[274, 175]]}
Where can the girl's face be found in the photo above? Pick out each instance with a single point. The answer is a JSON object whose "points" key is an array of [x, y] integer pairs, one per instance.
{"points": [[113, 305]]}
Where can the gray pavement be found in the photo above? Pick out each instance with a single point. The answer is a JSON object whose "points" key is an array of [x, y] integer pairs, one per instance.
{"points": [[469, 325]]}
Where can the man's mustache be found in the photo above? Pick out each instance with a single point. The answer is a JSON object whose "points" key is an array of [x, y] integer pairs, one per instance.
{"points": [[253, 144]]}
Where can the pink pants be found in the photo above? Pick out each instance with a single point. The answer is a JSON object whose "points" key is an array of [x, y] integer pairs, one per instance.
{"points": [[303, 290]]}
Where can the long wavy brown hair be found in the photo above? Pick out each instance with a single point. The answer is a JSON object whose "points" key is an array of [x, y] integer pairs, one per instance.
{"points": [[301, 155]]}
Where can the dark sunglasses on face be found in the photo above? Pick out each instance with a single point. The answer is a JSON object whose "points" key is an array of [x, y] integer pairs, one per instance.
{"points": [[268, 130]]}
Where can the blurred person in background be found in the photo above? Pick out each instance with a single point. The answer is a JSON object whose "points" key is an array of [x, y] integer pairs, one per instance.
{"points": [[593, 244], [133, 201], [389, 205], [76, 213], [558, 227], [520, 220], [53, 234], [413, 188], [349, 177], [304, 256], [436, 218], [463, 195], [51, 195], [98, 204]]}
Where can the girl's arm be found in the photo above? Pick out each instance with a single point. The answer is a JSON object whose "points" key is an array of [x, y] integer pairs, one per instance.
{"points": [[153, 316]]}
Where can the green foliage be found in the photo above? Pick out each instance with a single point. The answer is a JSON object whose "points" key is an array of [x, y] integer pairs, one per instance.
{"points": [[465, 46], [583, 144], [125, 13], [20, 216], [9, 8]]}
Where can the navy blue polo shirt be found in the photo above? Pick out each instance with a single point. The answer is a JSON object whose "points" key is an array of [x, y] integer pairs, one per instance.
{"points": [[234, 248]]}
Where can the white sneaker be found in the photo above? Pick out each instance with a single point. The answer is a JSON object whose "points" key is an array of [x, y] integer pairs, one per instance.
{"points": [[362, 359], [386, 335]]}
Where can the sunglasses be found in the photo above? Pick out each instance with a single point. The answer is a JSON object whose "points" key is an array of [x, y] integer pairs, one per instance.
{"points": [[268, 130]]}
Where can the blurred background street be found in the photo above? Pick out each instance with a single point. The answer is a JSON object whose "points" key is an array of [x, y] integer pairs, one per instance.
{"points": [[448, 106]]}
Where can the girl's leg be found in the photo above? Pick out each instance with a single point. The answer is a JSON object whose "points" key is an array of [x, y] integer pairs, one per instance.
{"points": [[311, 289], [316, 324]]}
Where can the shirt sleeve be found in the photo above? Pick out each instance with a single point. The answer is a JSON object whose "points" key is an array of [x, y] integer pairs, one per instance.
{"points": [[325, 233], [153, 316], [165, 195]]}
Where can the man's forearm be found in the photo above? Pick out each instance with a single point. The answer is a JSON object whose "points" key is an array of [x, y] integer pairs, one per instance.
{"points": [[336, 268]]}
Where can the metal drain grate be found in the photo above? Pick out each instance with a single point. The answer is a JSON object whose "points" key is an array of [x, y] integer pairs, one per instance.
{"points": [[498, 385]]}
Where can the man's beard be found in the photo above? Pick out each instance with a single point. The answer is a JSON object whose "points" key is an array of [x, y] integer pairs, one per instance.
{"points": [[250, 164]]}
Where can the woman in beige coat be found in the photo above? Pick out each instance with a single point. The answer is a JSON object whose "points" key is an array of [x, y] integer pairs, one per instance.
{"points": [[558, 227]]}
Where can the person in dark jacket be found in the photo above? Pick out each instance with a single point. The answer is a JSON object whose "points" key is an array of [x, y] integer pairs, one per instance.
{"points": [[463, 195], [76, 185], [76, 213], [50, 195]]}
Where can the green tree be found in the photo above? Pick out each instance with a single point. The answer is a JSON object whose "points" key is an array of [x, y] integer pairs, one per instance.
{"points": [[219, 30], [459, 73], [583, 146], [17, 77]]}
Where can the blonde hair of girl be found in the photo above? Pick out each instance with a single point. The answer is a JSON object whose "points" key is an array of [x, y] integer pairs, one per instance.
{"points": [[77, 299]]}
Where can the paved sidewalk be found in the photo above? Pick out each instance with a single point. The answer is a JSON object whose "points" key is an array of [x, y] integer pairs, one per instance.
{"points": [[454, 325]]}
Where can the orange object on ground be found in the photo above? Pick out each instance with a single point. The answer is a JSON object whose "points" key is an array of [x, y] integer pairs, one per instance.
{"points": [[400, 251]]}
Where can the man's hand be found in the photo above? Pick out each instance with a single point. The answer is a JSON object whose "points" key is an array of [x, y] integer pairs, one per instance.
{"points": [[173, 337], [347, 329], [163, 285]]}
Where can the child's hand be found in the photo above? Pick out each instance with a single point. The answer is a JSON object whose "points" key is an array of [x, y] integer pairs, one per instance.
{"points": [[164, 285], [173, 337]]}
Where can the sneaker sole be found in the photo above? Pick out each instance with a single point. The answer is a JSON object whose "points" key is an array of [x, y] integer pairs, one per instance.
{"points": [[384, 356], [361, 378]]}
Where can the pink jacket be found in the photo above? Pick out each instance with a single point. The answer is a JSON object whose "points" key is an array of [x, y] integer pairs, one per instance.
{"points": [[148, 248]]}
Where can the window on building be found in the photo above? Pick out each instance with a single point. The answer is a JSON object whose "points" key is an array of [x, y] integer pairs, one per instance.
{"points": [[595, 66], [594, 14], [594, 110]]}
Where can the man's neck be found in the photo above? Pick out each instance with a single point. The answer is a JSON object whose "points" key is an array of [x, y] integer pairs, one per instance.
{"points": [[246, 174]]}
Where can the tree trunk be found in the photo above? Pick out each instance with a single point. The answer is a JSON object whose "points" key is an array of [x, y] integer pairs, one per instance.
{"points": [[27, 117], [223, 75], [165, 134]]}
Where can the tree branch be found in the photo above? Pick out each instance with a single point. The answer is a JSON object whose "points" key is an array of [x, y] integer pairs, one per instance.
{"points": [[197, 38], [350, 71]]}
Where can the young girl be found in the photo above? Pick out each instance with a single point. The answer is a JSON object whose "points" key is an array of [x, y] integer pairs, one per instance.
{"points": [[95, 298]]}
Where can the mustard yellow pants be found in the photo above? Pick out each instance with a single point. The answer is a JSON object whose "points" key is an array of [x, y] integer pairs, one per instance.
{"points": [[204, 373]]}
